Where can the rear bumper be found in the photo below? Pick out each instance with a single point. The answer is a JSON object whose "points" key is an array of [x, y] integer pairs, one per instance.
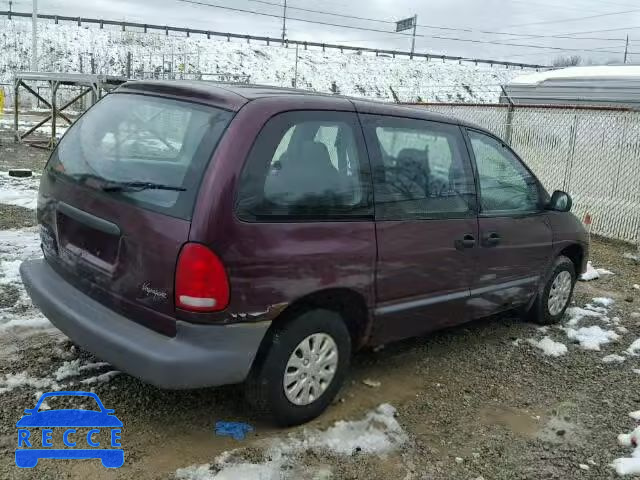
{"points": [[198, 356]]}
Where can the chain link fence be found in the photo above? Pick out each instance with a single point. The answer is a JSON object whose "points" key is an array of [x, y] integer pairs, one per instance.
{"points": [[592, 153]]}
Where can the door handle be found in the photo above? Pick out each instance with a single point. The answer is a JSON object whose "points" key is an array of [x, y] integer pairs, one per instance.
{"points": [[491, 239], [468, 241]]}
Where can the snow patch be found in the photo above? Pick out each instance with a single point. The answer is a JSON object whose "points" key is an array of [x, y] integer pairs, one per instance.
{"points": [[549, 346], [592, 338], [377, 433], [12, 381], [576, 314], [613, 358], [604, 271], [17, 245], [631, 465], [604, 301], [634, 348], [592, 273], [105, 377], [22, 192], [74, 368]]}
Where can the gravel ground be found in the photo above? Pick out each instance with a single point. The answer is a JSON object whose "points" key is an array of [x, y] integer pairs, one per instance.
{"points": [[477, 401]]}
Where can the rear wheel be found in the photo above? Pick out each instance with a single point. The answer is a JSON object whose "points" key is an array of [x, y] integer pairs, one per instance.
{"points": [[554, 297], [301, 369]]}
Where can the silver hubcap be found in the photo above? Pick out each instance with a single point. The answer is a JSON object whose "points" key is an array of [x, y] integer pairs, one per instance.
{"points": [[559, 293], [310, 369]]}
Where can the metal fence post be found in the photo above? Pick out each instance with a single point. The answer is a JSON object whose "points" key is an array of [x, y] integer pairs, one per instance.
{"points": [[571, 153], [510, 111], [128, 73], [15, 111]]}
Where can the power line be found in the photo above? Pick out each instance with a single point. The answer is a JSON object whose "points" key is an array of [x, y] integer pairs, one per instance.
{"points": [[309, 10], [354, 27], [318, 22], [575, 19], [550, 5], [435, 27]]}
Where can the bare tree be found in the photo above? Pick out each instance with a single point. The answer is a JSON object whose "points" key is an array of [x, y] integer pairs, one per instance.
{"points": [[568, 61]]}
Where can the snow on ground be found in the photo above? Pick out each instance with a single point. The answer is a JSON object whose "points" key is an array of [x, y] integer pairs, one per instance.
{"points": [[75, 368], [549, 346], [589, 337], [376, 434], [22, 192], [592, 338], [632, 256], [613, 358], [12, 381], [15, 246], [634, 348], [350, 73], [576, 314], [68, 371], [604, 301], [629, 465], [102, 378], [594, 273]]}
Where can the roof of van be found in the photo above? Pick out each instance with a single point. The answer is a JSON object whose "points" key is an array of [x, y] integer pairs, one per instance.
{"points": [[234, 95]]}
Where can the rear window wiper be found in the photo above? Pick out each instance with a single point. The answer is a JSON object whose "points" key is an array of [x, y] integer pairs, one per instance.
{"points": [[107, 185], [138, 186]]}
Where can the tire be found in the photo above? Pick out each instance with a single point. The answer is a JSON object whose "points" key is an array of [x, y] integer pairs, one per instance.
{"points": [[544, 312], [20, 172], [265, 389]]}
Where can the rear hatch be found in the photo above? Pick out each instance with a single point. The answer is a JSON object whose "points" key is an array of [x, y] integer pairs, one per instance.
{"points": [[117, 197]]}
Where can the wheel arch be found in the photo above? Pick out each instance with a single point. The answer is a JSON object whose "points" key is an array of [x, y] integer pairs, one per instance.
{"points": [[346, 302], [576, 253]]}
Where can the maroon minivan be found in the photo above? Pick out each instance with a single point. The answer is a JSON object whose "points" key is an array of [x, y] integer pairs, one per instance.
{"points": [[197, 234]]}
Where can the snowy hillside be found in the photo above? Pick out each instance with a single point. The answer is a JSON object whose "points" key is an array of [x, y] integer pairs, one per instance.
{"points": [[70, 48]]}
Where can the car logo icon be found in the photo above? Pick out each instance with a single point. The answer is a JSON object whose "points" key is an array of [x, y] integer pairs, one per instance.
{"points": [[34, 445]]}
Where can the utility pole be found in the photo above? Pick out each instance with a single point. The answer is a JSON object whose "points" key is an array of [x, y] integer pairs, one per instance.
{"points": [[413, 39], [626, 49], [295, 73], [10, 3], [34, 37], [284, 21]]}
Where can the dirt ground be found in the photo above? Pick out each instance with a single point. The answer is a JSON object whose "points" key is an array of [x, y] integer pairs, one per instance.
{"points": [[478, 402]]}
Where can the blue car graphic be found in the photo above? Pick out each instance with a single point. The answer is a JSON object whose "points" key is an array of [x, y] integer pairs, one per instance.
{"points": [[70, 419]]}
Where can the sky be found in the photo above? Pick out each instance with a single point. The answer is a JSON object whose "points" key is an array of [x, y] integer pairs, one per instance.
{"points": [[536, 31]]}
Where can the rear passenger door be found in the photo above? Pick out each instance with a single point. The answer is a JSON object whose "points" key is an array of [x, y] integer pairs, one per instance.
{"points": [[515, 236], [426, 225], [305, 214]]}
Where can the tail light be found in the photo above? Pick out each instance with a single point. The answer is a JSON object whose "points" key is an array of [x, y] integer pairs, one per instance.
{"points": [[201, 281]]}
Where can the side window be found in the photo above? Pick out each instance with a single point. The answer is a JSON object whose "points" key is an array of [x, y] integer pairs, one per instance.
{"points": [[505, 184], [306, 164], [421, 169]]}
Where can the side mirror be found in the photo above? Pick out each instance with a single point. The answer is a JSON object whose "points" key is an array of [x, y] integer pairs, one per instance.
{"points": [[560, 202]]}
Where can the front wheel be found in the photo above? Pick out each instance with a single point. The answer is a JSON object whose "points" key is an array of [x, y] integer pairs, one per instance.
{"points": [[301, 368], [554, 297]]}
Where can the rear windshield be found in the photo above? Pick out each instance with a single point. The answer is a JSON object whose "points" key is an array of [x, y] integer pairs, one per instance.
{"points": [[145, 150]]}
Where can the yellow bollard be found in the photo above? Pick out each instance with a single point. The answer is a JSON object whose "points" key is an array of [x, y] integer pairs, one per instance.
{"points": [[1, 100]]}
